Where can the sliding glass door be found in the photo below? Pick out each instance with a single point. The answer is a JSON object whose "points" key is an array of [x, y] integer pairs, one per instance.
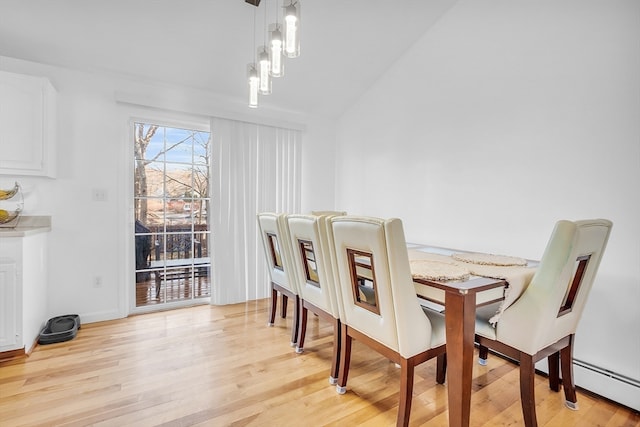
{"points": [[171, 205]]}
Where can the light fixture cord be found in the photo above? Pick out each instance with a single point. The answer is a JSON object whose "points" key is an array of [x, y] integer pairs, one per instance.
{"points": [[265, 25], [254, 35]]}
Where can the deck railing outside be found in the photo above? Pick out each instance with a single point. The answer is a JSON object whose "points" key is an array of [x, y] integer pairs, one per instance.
{"points": [[172, 263]]}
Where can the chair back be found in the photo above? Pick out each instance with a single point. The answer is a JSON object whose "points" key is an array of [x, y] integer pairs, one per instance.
{"points": [[551, 306], [375, 285], [329, 213], [277, 248], [312, 261]]}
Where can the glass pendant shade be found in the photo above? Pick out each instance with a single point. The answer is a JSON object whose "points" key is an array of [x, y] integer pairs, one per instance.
{"points": [[264, 67], [292, 29], [275, 51], [254, 82]]}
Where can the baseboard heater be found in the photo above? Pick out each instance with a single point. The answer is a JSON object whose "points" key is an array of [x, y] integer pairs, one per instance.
{"points": [[606, 372], [606, 383]]}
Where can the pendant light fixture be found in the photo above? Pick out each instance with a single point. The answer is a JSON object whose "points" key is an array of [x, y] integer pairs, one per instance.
{"points": [[254, 83], [283, 42], [252, 72], [275, 50], [292, 29], [264, 70], [264, 63]]}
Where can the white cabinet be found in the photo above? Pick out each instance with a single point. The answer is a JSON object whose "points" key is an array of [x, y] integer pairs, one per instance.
{"points": [[27, 125], [23, 290], [9, 333]]}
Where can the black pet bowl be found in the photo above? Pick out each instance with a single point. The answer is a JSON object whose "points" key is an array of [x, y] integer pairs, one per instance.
{"points": [[59, 329]]}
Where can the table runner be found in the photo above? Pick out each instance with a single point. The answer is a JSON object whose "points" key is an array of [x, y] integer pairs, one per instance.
{"points": [[489, 259], [517, 277], [436, 270]]}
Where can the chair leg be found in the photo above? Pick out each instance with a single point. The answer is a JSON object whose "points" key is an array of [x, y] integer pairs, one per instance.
{"points": [[302, 329], [337, 346], [554, 371], [296, 321], [483, 354], [566, 364], [345, 360], [274, 303], [527, 396], [283, 307], [441, 368], [406, 392]]}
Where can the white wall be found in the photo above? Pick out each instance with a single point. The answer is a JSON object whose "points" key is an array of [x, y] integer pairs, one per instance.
{"points": [[503, 118], [91, 238], [318, 166]]}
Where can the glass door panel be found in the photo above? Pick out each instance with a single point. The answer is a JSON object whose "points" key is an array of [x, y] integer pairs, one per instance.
{"points": [[171, 199]]}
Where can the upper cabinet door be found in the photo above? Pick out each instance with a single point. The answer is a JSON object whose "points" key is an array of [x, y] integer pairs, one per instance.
{"points": [[27, 125]]}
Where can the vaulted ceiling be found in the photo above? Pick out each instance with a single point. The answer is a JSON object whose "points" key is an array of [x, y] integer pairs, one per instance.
{"points": [[206, 44]]}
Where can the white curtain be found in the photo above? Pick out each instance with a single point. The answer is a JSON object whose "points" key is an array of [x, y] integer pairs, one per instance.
{"points": [[256, 168]]}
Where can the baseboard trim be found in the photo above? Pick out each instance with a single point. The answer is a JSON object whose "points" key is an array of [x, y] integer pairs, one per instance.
{"points": [[623, 390], [6, 356], [100, 316]]}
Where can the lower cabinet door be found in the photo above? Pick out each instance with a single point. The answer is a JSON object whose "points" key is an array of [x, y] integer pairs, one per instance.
{"points": [[9, 331]]}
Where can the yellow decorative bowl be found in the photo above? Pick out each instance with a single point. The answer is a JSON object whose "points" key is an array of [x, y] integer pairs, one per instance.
{"points": [[7, 194], [6, 217], [11, 205]]}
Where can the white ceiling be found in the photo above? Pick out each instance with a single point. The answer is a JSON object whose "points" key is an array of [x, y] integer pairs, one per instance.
{"points": [[206, 44]]}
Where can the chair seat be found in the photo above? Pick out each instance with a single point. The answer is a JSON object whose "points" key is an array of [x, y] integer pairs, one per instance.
{"points": [[483, 314], [438, 327]]}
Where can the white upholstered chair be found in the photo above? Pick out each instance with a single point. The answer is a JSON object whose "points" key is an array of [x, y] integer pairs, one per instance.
{"points": [[315, 278], [543, 320], [328, 213], [372, 252], [277, 248]]}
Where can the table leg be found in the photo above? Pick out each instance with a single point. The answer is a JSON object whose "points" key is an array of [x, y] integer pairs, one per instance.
{"points": [[460, 312]]}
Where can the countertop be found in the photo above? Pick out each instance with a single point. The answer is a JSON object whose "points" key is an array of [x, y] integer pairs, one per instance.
{"points": [[27, 226]]}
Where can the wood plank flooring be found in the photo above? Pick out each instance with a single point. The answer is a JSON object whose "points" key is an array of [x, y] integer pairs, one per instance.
{"points": [[222, 366]]}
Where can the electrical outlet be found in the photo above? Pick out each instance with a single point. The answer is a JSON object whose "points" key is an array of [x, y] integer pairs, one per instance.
{"points": [[97, 282], [99, 195]]}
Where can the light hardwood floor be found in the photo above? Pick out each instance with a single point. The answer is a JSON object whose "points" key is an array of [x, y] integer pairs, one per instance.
{"points": [[222, 366]]}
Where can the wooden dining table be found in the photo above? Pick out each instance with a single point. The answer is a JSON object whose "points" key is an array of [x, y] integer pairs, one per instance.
{"points": [[460, 301]]}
